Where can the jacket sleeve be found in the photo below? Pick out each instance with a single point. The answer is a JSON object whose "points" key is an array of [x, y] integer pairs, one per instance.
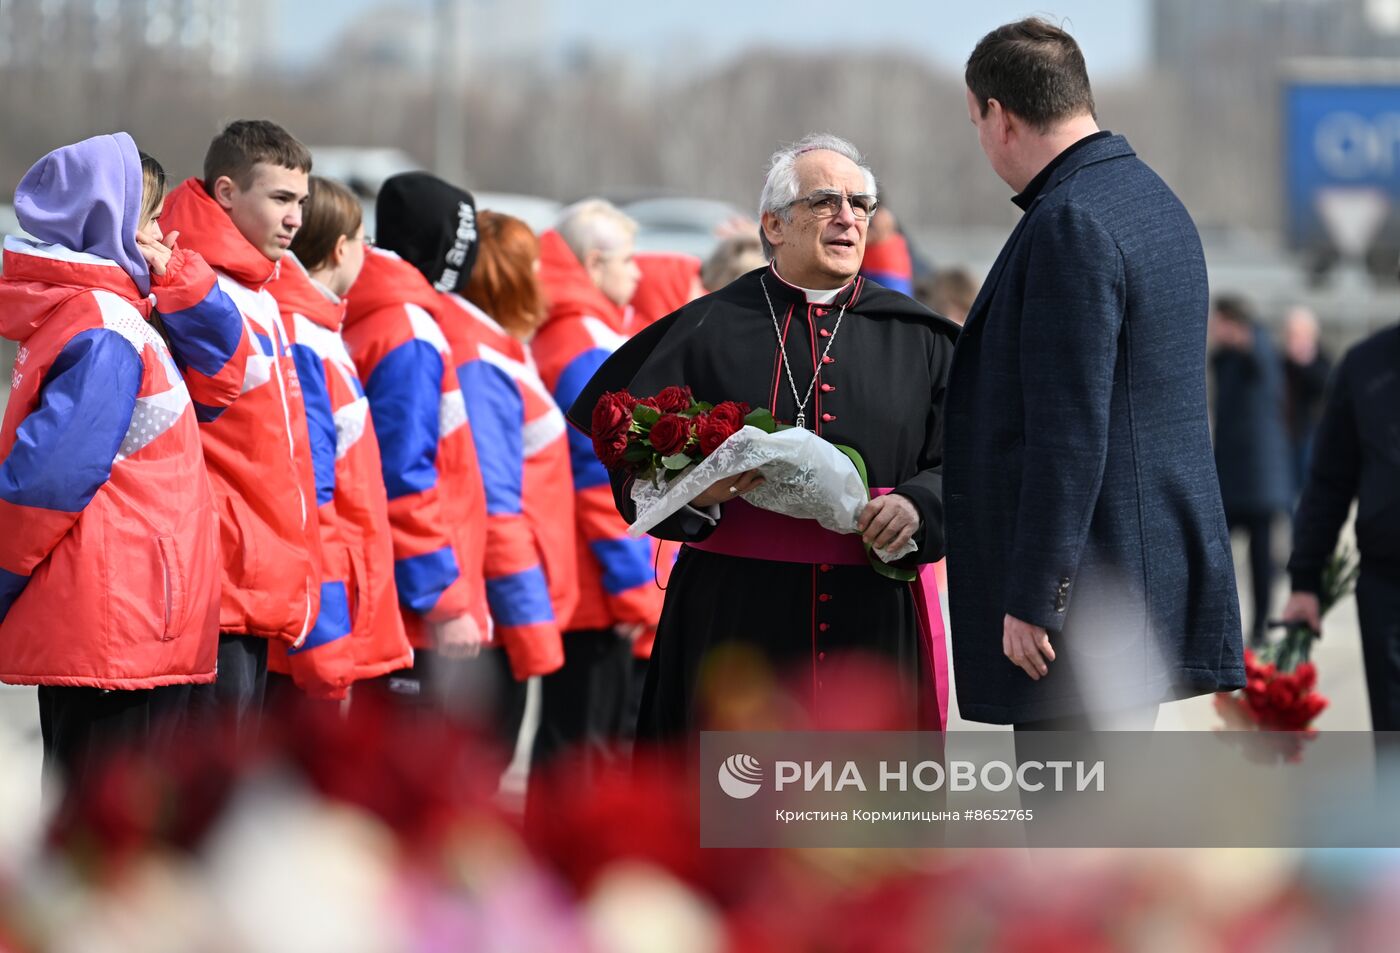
{"points": [[925, 488], [64, 450], [208, 338], [517, 589], [1075, 276], [324, 665], [403, 383], [1331, 486], [626, 564]]}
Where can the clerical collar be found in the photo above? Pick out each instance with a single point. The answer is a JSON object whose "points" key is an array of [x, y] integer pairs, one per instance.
{"points": [[1037, 184], [814, 296]]}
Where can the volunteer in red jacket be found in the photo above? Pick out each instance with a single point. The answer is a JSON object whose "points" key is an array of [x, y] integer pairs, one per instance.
{"points": [[109, 578], [589, 275], [531, 562], [358, 555], [242, 217], [437, 506]]}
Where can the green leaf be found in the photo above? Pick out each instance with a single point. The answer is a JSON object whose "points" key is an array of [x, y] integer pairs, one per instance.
{"points": [[645, 415], [859, 461], [698, 408], [636, 454], [677, 461], [896, 573], [762, 419]]}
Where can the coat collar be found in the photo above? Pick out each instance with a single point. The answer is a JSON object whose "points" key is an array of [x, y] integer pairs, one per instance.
{"points": [[1091, 153]]}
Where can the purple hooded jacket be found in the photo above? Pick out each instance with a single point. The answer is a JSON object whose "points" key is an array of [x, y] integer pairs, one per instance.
{"points": [[87, 197]]}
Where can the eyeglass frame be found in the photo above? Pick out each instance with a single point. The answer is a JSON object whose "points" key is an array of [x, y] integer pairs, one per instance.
{"points": [[844, 199]]}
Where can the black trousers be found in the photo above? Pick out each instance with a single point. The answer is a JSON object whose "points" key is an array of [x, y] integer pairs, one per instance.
{"points": [[1378, 605], [479, 694], [584, 705], [1258, 525], [584, 732], [81, 727], [238, 693]]}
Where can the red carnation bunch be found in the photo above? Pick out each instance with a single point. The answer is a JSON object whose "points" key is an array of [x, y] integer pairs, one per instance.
{"points": [[1280, 682], [668, 432], [1273, 699]]}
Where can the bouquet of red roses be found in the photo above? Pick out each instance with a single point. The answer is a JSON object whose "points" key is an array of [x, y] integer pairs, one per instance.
{"points": [[676, 446], [653, 436]]}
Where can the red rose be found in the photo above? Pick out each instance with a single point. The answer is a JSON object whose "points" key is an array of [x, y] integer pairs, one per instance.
{"points": [[612, 415], [715, 428], [673, 400], [670, 434], [733, 412], [610, 449]]}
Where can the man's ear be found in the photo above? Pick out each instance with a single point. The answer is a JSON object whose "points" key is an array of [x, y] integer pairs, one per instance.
{"points": [[1003, 122], [224, 190], [773, 228], [592, 259]]}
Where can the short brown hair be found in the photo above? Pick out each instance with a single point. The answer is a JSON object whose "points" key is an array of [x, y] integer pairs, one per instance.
{"points": [[503, 282], [331, 211], [246, 142], [1034, 69], [952, 289]]}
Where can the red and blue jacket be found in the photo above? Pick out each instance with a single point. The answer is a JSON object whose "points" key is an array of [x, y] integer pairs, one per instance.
{"points": [[531, 567], [109, 563], [616, 573], [257, 452], [353, 511], [888, 262], [437, 505], [669, 282]]}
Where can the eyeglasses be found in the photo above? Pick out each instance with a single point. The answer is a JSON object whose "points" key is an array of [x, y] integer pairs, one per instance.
{"points": [[826, 203]]}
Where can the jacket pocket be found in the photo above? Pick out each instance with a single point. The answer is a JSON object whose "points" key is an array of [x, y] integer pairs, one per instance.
{"points": [[356, 586], [238, 532], [172, 587]]}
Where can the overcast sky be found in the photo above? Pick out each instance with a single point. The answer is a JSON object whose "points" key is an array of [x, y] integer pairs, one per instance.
{"points": [[1113, 33]]}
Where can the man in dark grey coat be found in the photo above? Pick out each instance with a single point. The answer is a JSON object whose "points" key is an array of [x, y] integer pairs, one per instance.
{"points": [[1089, 568]]}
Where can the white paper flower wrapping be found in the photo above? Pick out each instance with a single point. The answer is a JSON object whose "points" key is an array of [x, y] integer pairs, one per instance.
{"points": [[805, 477]]}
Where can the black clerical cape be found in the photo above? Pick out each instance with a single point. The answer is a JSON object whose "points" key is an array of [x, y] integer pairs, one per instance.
{"points": [[879, 390]]}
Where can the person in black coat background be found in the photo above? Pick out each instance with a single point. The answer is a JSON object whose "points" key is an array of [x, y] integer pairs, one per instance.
{"points": [[1089, 567], [1357, 457], [1306, 368], [1251, 444]]}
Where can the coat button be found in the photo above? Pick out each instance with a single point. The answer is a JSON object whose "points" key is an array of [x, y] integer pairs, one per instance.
{"points": [[828, 417], [821, 312], [824, 597], [826, 567], [821, 656], [824, 626], [828, 359], [828, 388], [824, 333]]}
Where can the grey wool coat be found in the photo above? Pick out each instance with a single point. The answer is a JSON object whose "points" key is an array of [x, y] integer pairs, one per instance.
{"points": [[1080, 484]]}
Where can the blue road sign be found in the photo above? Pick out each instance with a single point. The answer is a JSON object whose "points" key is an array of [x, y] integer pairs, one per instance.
{"points": [[1337, 134]]}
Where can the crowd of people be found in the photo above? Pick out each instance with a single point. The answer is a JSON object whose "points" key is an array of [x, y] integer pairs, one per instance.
{"points": [[254, 455], [251, 453]]}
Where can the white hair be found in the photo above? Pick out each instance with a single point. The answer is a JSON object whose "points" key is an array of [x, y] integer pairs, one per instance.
{"points": [[595, 225], [780, 188]]}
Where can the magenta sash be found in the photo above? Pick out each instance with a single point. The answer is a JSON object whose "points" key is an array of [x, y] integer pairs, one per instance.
{"points": [[749, 532]]}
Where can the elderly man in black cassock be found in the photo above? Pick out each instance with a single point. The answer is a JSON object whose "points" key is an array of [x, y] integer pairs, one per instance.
{"points": [[856, 364]]}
